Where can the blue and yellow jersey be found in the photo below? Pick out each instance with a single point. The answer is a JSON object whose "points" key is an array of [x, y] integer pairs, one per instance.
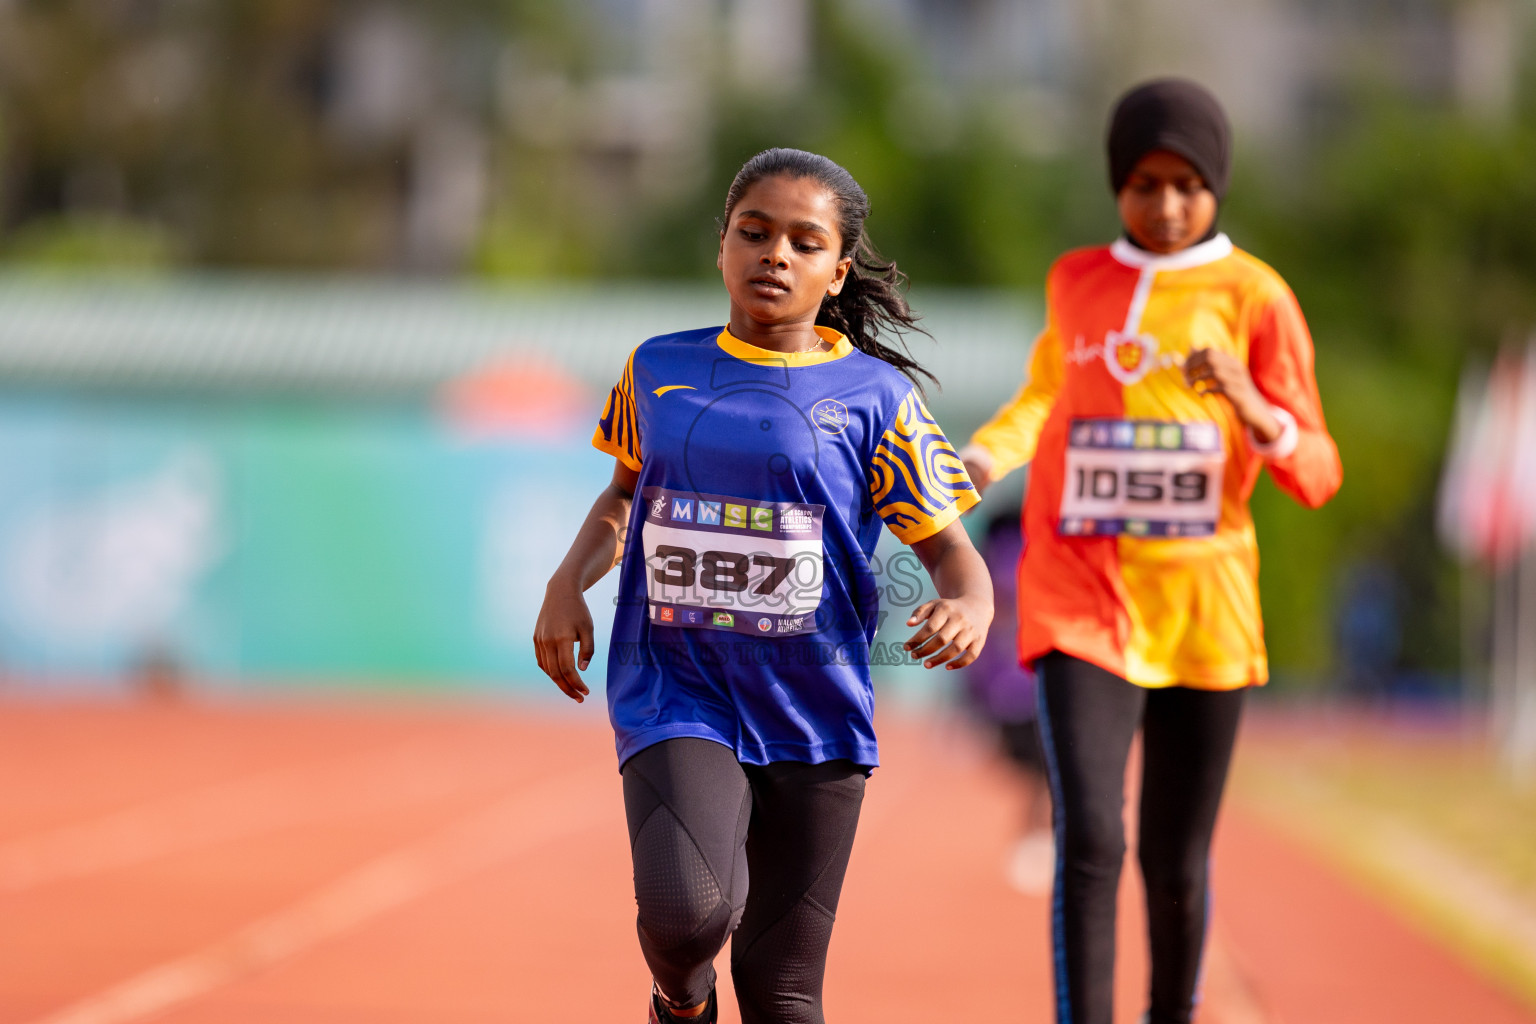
{"points": [[747, 600]]}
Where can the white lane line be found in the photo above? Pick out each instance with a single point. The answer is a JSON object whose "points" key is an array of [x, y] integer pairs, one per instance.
{"points": [[413, 772], [549, 811], [1230, 995]]}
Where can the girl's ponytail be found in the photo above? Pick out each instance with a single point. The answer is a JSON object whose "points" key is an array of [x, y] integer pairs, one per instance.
{"points": [[872, 300]]}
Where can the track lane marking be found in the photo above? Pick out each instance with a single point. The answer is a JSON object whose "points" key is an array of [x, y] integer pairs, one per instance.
{"points": [[418, 770], [1230, 996], [554, 809]]}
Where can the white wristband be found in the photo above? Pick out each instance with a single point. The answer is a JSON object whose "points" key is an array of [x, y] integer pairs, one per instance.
{"points": [[1283, 445]]}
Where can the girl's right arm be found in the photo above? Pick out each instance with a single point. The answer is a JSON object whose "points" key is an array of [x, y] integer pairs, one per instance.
{"points": [[564, 619]]}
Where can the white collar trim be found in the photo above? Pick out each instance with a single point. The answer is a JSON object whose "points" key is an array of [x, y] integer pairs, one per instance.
{"points": [[1195, 256]]}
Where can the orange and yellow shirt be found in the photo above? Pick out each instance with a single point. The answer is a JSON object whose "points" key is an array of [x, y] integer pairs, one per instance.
{"points": [[1140, 554]]}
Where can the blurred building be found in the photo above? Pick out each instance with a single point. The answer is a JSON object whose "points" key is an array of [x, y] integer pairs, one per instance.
{"points": [[394, 136], [1286, 69]]}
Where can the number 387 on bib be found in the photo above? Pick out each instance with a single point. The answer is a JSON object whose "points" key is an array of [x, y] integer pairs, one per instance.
{"points": [[720, 562]]}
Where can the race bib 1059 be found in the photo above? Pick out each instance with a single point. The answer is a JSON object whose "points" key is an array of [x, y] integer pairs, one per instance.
{"points": [[717, 562], [1143, 478]]}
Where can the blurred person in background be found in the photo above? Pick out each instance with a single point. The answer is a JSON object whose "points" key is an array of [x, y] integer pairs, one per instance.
{"points": [[1172, 369], [1369, 630], [1001, 692], [766, 457]]}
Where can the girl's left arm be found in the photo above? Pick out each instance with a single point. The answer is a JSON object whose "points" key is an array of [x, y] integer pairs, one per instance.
{"points": [[954, 626], [1303, 461], [1275, 395]]}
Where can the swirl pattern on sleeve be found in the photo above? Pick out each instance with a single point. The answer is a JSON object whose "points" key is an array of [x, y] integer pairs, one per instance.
{"points": [[916, 480]]}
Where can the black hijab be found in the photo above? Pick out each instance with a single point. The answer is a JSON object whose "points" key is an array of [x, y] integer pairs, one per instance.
{"points": [[1176, 115]]}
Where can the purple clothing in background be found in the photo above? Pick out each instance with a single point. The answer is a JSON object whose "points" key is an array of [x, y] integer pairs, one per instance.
{"points": [[996, 685]]}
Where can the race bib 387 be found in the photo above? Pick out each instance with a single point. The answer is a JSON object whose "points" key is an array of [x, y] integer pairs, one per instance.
{"points": [[718, 562], [1143, 478]]}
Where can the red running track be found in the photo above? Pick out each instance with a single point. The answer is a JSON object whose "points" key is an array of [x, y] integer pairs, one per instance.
{"points": [[342, 864]]}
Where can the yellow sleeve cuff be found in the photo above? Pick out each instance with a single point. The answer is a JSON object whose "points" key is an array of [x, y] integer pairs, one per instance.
{"points": [[925, 528], [618, 451]]}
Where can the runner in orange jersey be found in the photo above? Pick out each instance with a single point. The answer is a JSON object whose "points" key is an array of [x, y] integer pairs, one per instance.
{"points": [[1173, 368]]}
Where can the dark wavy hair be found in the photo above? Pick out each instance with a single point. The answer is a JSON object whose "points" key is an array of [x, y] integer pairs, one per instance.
{"points": [[872, 300]]}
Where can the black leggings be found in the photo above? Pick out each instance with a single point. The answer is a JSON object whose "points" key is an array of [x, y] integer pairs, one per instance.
{"points": [[1088, 717], [699, 824]]}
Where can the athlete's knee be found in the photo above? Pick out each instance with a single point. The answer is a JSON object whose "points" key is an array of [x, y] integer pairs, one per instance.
{"points": [[778, 974], [764, 998], [684, 932], [684, 911], [768, 1007], [1093, 843], [1172, 877]]}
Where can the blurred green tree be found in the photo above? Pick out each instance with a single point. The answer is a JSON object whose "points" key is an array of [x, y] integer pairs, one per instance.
{"points": [[1408, 241]]}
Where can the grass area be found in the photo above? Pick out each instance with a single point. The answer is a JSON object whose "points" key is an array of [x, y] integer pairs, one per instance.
{"points": [[1420, 812]]}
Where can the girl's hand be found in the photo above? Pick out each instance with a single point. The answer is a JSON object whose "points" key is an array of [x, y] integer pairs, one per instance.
{"points": [[1213, 372], [954, 627], [954, 631], [563, 621]]}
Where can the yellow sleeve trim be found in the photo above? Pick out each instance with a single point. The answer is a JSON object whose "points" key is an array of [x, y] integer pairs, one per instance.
{"points": [[618, 451], [927, 527]]}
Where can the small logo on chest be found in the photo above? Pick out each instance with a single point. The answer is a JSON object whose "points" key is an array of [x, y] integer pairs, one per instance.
{"points": [[1130, 357], [830, 416]]}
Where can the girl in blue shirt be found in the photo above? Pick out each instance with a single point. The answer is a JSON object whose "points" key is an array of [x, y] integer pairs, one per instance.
{"points": [[767, 456]]}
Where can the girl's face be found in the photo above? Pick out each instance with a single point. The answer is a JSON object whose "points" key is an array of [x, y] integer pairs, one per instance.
{"points": [[780, 252], [1165, 205]]}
